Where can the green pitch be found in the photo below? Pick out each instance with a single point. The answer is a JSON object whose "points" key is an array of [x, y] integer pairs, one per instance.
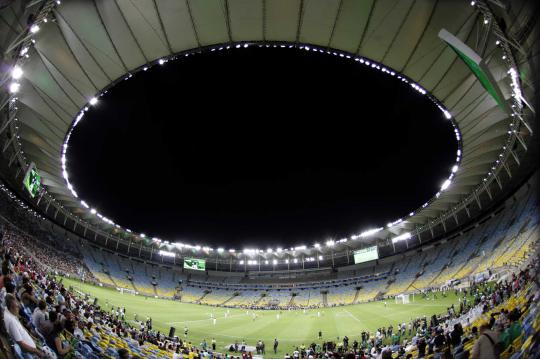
{"points": [[292, 328]]}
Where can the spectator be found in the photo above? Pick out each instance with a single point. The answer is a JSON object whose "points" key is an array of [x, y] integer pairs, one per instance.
{"points": [[455, 336], [16, 330], [422, 347], [40, 314], [54, 341], [123, 354], [485, 346], [513, 331]]}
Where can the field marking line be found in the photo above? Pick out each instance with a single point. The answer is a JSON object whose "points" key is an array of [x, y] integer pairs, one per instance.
{"points": [[288, 339], [354, 317], [205, 320]]}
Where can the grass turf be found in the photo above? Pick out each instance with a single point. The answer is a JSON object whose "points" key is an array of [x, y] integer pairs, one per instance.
{"points": [[292, 328]]}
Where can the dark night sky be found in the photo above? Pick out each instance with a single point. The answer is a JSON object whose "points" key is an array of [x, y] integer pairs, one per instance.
{"points": [[260, 147]]}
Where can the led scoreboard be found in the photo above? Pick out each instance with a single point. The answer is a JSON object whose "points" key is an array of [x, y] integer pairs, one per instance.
{"points": [[366, 255]]}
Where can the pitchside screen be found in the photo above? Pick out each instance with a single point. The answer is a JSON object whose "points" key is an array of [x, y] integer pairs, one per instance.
{"points": [[195, 264], [366, 255], [32, 181]]}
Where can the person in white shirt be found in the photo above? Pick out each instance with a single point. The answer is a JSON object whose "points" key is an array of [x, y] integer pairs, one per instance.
{"points": [[16, 330], [78, 332], [40, 314]]}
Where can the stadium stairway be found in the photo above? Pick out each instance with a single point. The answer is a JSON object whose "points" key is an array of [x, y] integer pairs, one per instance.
{"points": [[134, 287], [355, 299], [291, 301], [261, 297], [206, 292], [109, 276], [235, 294], [325, 298]]}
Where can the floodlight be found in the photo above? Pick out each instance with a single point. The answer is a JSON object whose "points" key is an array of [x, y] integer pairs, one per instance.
{"points": [[14, 87], [445, 184], [16, 73]]}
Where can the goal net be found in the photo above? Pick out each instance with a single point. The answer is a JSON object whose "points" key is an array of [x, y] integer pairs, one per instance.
{"points": [[126, 291], [402, 299]]}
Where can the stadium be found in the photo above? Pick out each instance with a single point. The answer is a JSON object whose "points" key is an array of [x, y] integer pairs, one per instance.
{"points": [[454, 275]]}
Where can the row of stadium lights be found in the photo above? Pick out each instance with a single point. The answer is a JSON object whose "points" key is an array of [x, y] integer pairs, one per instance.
{"points": [[20, 203], [275, 261], [257, 262], [516, 94], [17, 74], [515, 108]]}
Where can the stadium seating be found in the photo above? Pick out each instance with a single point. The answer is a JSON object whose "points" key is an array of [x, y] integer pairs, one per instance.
{"points": [[497, 243]]}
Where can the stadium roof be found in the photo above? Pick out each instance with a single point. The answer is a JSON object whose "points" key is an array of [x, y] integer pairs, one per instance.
{"points": [[74, 50]]}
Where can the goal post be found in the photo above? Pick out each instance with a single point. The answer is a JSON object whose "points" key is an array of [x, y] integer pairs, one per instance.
{"points": [[403, 299], [126, 291]]}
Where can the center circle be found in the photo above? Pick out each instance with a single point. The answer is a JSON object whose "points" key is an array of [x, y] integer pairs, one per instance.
{"points": [[257, 146]]}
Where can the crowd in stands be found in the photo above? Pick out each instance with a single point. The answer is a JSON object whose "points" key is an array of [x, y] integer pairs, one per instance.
{"points": [[40, 315], [44, 319], [48, 257], [500, 321]]}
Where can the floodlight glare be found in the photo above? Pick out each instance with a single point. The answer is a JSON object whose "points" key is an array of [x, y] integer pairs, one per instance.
{"points": [[93, 101], [14, 87], [34, 28], [445, 184], [16, 73], [401, 237]]}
